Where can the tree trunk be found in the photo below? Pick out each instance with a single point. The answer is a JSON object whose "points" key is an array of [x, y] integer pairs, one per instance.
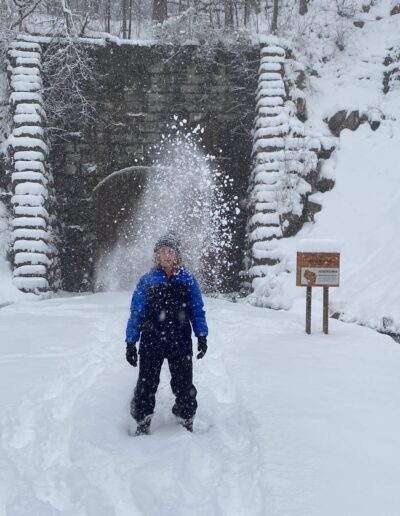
{"points": [[246, 14], [228, 8], [303, 7], [274, 24], [67, 15], [130, 19], [138, 17], [124, 20], [236, 14], [108, 16], [160, 11], [21, 17]]}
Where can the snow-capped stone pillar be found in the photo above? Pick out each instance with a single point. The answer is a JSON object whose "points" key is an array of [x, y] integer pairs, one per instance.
{"points": [[27, 148], [271, 126], [284, 159]]}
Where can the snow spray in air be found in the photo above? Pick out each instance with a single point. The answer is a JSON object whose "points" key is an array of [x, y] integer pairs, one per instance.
{"points": [[185, 192]]}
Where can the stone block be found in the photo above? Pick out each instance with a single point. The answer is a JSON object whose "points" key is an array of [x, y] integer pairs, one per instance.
{"points": [[192, 89], [156, 99], [324, 185], [312, 209], [301, 80], [353, 121], [341, 120], [395, 10], [301, 108], [195, 78], [157, 68], [73, 157], [70, 169], [196, 117]]}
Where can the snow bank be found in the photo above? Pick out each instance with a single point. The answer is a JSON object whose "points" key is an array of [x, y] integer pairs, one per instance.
{"points": [[8, 292], [367, 222], [314, 245], [363, 213]]}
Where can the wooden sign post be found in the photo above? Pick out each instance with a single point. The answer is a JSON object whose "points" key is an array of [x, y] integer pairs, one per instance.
{"points": [[316, 269]]}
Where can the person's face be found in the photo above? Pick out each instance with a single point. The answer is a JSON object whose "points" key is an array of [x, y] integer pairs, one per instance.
{"points": [[167, 257]]}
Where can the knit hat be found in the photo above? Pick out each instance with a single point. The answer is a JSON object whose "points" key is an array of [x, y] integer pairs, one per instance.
{"points": [[170, 240]]}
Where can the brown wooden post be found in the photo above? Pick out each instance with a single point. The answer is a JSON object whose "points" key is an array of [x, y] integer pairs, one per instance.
{"points": [[308, 310], [325, 310]]}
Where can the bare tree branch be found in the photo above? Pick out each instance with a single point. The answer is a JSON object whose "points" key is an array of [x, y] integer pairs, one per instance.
{"points": [[25, 15], [84, 24]]}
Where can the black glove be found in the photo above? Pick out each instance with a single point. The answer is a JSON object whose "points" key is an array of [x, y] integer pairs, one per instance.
{"points": [[131, 353], [201, 346]]}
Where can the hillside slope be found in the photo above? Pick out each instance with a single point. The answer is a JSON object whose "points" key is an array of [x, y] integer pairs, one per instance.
{"points": [[362, 211]]}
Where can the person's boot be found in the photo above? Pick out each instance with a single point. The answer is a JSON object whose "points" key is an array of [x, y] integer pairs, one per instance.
{"points": [[143, 427], [186, 423]]}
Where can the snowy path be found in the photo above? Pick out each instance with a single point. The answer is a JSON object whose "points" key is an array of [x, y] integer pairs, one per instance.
{"points": [[288, 424]]}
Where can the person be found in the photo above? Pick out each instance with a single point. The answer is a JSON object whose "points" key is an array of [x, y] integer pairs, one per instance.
{"points": [[166, 305]]}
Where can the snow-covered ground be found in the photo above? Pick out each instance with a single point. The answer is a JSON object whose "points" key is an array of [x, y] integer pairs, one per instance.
{"points": [[288, 424]]}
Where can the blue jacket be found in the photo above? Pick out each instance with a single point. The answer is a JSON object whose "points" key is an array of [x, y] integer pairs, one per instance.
{"points": [[164, 311]]}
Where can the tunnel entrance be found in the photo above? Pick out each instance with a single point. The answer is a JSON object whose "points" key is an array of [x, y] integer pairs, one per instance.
{"points": [[139, 90]]}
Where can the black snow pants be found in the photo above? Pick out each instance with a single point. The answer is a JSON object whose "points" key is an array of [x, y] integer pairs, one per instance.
{"points": [[144, 398]]}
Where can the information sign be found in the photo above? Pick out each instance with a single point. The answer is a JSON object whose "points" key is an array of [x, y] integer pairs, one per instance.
{"points": [[318, 269], [313, 277]]}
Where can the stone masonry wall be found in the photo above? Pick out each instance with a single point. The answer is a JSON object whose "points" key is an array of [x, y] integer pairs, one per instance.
{"points": [[138, 91]]}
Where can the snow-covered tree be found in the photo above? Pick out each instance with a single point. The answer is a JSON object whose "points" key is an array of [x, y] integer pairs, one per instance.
{"points": [[68, 69]]}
